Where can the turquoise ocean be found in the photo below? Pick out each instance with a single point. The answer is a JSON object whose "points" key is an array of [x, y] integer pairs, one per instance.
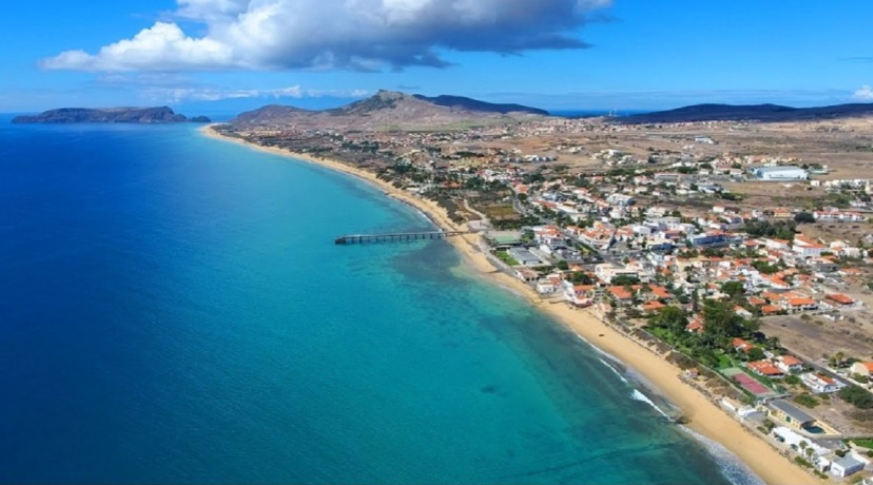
{"points": [[173, 310]]}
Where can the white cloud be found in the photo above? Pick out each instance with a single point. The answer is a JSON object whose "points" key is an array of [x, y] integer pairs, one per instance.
{"points": [[170, 94], [864, 94], [164, 44], [329, 34]]}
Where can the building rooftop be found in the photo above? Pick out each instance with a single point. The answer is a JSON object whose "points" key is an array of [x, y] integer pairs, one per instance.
{"points": [[848, 462], [791, 411], [786, 168]]}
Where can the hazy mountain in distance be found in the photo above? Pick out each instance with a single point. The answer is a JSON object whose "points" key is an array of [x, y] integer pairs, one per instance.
{"points": [[161, 114]]}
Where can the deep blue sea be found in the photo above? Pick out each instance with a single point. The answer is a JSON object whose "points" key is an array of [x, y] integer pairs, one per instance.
{"points": [[173, 310]]}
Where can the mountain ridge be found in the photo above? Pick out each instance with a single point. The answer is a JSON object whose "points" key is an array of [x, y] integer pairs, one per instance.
{"points": [[390, 110], [757, 112]]}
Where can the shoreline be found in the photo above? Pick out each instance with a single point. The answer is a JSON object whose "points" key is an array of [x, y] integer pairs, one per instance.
{"points": [[707, 418]]}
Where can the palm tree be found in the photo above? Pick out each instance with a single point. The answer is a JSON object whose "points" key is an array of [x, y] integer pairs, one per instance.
{"points": [[838, 358]]}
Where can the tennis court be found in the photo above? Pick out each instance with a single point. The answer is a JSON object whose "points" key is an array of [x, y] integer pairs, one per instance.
{"points": [[748, 382]]}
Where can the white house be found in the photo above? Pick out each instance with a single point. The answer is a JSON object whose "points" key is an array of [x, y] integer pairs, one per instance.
{"points": [[620, 200], [807, 248], [777, 244], [820, 384], [838, 216], [579, 295], [789, 364], [606, 272], [780, 174], [848, 465], [862, 368], [548, 285]]}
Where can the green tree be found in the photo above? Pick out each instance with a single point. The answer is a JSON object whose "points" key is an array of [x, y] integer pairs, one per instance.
{"points": [[792, 380], [624, 280], [804, 218], [839, 359], [733, 288], [721, 320], [756, 354], [563, 265], [751, 325], [672, 318], [580, 278], [765, 267], [857, 396]]}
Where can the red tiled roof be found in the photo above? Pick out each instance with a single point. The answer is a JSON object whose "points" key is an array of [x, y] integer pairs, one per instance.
{"points": [[765, 368], [620, 292], [841, 299], [754, 300], [653, 305], [801, 302], [660, 292]]}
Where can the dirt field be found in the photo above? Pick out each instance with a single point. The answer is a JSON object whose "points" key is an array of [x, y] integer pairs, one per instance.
{"points": [[818, 336]]}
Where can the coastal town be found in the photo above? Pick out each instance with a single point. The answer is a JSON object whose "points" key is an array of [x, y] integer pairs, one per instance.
{"points": [[747, 267]]}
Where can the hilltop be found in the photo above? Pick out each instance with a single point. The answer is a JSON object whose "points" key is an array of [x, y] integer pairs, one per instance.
{"points": [[161, 114], [759, 112], [390, 111]]}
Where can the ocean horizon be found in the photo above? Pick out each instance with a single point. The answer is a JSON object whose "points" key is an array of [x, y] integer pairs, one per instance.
{"points": [[176, 312]]}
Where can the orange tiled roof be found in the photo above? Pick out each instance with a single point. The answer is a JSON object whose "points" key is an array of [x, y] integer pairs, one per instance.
{"points": [[653, 305], [765, 368], [660, 292], [841, 299], [754, 300], [620, 292], [801, 301]]}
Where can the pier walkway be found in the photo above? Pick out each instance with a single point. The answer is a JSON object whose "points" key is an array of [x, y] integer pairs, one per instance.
{"points": [[397, 237]]}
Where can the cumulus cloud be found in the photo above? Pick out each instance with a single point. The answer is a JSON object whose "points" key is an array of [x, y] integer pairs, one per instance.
{"points": [[338, 34], [864, 94]]}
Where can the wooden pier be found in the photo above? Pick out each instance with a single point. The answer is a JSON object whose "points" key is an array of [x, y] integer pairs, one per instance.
{"points": [[396, 237]]}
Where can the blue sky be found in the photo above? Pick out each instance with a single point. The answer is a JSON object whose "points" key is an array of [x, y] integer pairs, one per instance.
{"points": [[214, 55]]}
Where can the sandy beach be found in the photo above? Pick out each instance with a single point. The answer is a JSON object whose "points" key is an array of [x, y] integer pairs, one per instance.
{"points": [[706, 417]]}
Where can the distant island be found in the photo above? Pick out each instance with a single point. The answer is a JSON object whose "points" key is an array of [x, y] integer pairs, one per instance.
{"points": [[758, 112], [157, 115]]}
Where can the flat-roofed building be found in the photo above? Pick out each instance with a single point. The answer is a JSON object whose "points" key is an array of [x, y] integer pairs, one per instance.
{"points": [[780, 174], [525, 257], [848, 465], [793, 417]]}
